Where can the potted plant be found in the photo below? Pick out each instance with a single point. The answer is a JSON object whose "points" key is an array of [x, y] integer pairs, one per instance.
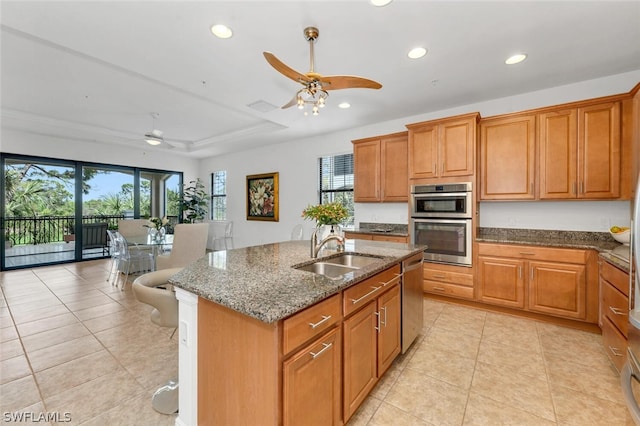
{"points": [[194, 201], [69, 232]]}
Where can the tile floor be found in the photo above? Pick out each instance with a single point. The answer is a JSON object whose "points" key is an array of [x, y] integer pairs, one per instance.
{"points": [[71, 343]]}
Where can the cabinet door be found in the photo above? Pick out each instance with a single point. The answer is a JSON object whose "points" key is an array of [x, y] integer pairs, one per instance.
{"points": [[557, 289], [599, 151], [507, 158], [558, 142], [394, 169], [366, 161], [360, 348], [389, 328], [423, 152], [311, 383], [501, 281], [457, 148]]}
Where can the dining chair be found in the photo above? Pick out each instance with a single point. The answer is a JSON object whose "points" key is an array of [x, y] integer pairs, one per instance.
{"points": [[155, 290], [141, 260], [113, 251], [133, 227], [297, 232], [189, 244]]}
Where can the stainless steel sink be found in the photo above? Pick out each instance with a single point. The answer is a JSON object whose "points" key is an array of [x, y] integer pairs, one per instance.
{"points": [[352, 260], [330, 270]]}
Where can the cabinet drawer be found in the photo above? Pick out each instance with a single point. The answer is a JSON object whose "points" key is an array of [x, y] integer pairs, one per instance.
{"points": [[614, 343], [615, 306], [311, 322], [533, 252], [448, 289], [359, 294], [448, 277], [616, 277]]}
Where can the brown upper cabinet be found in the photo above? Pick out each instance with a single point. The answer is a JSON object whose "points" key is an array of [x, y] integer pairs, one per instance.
{"points": [[580, 152], [562, 153], [507, 158], [380, 169], [443, 148]]}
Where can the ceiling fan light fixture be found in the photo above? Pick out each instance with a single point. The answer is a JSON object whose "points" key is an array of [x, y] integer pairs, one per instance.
{"points": [[221, 31], [152, 139], [344, 105], [380, 3], [417, 52]]}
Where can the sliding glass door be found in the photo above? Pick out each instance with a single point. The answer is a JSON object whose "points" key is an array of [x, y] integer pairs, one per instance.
{"points": [[58, 210]]}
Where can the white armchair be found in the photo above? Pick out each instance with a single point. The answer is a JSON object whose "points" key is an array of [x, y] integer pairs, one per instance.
{"points": [[189, 244]]}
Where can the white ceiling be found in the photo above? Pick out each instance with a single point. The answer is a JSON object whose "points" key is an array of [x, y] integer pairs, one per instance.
{"points": [[96, 70]]}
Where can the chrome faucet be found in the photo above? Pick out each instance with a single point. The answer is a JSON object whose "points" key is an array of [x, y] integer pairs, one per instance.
{"points": [[316, 246]]}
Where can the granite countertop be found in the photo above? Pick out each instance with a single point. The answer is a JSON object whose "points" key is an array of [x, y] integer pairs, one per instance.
{"points": [[393, 229], [609, 249], [261, 282]]}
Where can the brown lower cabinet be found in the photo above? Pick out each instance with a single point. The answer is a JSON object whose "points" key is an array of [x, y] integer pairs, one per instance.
{"points": [[313, 368], [376, 237], [614, 308], [553, 281]]}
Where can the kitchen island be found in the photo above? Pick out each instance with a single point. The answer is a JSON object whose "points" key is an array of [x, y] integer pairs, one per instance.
{"points": [[250, 324]]}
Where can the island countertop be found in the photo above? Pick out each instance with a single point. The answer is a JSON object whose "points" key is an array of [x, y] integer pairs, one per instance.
{"points": [[261, 281]]}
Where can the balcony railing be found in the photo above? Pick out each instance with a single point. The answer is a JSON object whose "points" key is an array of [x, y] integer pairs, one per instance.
{"points": [[49, 229]]}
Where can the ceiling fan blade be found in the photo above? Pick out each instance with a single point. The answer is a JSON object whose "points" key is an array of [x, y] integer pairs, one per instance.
{"points": [[284, 69], [291, 103], [336, 82]]}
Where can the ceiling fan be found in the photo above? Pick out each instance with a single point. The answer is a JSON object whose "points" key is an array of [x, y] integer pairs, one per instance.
{"points": [[154, 137], [315, 85]]}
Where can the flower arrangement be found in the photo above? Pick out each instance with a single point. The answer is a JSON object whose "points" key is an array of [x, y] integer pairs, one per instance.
{"points": [[326, 214], [157, 223]]}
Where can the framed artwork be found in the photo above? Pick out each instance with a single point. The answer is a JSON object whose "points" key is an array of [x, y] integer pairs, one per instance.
{"points": [[262, 197]]}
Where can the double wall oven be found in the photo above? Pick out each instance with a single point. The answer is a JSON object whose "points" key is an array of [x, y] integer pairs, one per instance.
{"points": [[441, 219]]}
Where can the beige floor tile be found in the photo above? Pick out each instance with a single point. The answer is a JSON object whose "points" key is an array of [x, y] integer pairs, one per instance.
{"points": [[465, 345], [443, 365], [576, 408], [63, 377], [482, 411], [387, 414], [601, 381], [123, 318], [365, 412], [501, 385], [513, 356], [155, 370], [99, 311], [39, 314], [63, 352], [90, 302], [33, 415], [95, 397], [10, 349], [19, 394], [53, 337], [512, 331], [8, 333], [28, 305], [34, 327], [461, 319], [77, 294], [387, 381], [135, 410], [428, 399], [14, 368]]}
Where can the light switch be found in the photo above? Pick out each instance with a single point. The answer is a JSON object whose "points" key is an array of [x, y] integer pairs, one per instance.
{"points": [[184, 333]]}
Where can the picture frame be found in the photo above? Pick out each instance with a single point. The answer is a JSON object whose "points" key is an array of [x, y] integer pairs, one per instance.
{"points": [[262, 197]]}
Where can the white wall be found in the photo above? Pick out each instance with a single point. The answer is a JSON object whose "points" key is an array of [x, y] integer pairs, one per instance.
{"points": [[297, 164]]}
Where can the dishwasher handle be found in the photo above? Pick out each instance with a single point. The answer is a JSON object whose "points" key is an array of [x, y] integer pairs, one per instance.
{"points": [[411, 264]]}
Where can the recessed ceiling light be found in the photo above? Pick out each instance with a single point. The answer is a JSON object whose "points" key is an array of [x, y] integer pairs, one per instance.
{"points": [[417, 52], [344, 105], [221, 31], [515, 59], [380, 3]]}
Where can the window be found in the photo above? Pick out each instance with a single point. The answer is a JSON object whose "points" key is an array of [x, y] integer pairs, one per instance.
{"points": [[336, 181], [219, 195]]}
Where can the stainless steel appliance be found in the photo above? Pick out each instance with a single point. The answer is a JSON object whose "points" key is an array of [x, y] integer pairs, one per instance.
{"points": [[631, 369], [441, 219], [412, 300]]}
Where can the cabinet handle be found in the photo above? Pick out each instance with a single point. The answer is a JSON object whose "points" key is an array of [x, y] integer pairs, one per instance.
{"points": [[384, 322], [378, 320], [440, 276], [574, 187], [435, 168], [520, 272], [439, 288], [325, 346], [527, 253], [354, 301], [616, 311], [391, 280], [325, 318], [531, 278], [615, 351], [582, 187]]}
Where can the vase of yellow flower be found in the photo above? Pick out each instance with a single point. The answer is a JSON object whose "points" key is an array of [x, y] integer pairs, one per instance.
{"points": [[328, 218]]}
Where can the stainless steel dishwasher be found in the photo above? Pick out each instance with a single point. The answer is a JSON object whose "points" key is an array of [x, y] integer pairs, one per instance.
{"points": [[412, 299]]}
